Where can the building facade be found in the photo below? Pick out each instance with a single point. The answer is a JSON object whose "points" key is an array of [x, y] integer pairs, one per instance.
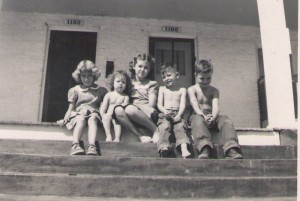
{"points": [[41, 44]]}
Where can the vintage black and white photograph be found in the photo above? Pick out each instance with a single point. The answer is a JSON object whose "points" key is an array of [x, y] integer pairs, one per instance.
{"points": [[148, 100]]}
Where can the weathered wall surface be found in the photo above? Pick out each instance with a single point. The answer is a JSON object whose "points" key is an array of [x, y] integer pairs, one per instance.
{"points": [[23, 54]]}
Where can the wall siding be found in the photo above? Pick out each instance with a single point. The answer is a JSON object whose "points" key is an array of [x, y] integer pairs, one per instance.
{"points": [[23, 38]]}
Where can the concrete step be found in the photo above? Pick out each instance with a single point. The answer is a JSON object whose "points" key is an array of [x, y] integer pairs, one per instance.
{"points": [[136, 149], [105, 165], [51, 131], [145, 186], [73, 198]]}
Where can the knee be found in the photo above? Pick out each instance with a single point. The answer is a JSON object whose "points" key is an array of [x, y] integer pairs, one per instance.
{"points": [[198, 119], [93, 120], [106, 117], [80, 120], [119, 112], [165, 126], [225, 120], [130, 110], [180, 127]]}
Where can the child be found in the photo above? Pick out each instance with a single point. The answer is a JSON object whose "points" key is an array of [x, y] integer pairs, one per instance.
{"points": [[119, 95], [204, 99], [84, 99], [143, 97], [171, 102]]}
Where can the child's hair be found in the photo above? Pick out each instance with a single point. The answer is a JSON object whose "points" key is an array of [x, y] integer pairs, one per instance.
{"points": [[142, 57], [203, 66], [124, 75], [86, 65], [168, 67]]}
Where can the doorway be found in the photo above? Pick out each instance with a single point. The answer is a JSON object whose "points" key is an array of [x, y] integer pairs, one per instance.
{"points": [[176, 51], [66, 50]]}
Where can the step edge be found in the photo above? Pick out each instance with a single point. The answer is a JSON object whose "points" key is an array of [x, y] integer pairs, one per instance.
{"points": [[54, 124], [141, 158], [161, 177]]}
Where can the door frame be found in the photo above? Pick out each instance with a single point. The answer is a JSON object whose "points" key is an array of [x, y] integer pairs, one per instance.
{"points": [[174, 37], [50, 28]]}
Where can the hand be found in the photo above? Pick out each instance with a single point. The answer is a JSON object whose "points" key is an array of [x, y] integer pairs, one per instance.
{"points": [[176, 118], [207, 118], [211, 122], [168, 115], [61, 122]]}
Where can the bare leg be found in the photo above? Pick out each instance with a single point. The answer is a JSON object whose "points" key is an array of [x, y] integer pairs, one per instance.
{"points": [[124, 121], [106, 120], [184, 151], [93, 129], [140, 117], [78, 129], [117, 129]]}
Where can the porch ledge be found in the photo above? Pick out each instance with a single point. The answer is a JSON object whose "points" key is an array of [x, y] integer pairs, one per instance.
{"points": [[54, 124]]}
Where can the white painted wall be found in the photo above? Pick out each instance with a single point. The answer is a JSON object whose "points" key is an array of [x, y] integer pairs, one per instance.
{"points": [[23, 42]]}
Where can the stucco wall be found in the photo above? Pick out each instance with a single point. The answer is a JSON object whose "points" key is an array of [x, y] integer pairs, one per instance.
{"points": [[23, 41]]}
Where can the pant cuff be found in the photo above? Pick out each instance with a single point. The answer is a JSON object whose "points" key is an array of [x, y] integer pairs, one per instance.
{"points": [[231, 144], [181, 141], [202, 143]]}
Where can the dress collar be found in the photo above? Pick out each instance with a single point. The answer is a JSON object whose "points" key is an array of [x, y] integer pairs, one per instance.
{"points": [[95, 87]]}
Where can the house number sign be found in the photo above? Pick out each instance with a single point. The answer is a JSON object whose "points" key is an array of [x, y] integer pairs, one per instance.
{"points": [[171, 29], [75, 22]]}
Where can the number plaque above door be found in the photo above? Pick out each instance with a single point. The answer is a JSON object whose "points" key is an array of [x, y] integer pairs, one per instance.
{"points": [[74, 22], [175, 29]]}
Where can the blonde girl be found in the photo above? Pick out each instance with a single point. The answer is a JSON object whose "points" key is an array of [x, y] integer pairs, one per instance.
{"points": [[84, 101]]}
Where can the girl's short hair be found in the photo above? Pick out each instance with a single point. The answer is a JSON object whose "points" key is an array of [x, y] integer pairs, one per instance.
{"points": [[142, 57], [203, 66], [121, 73], [86, 65]]}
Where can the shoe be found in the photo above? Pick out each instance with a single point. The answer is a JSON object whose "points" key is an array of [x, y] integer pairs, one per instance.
{"points": [[76, 149], [233, 154], [164, 153], [205, 153], [145, 139], [92, 150]]}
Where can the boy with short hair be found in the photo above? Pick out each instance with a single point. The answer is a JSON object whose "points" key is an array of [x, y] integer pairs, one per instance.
{"points": [[204, 99], [171, 102]]}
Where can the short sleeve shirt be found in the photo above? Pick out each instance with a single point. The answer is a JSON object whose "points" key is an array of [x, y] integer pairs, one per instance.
{"points": [[86, 97], [140, 92]]}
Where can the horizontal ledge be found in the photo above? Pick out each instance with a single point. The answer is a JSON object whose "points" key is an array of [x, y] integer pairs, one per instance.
{"points": [[51, 124]]}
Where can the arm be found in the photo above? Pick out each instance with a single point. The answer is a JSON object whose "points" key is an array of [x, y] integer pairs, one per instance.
{"points": [[126, 100], [153, 94], [215, 105], [194, 102], [160, 100], [182, 105], [104, 105], [62, 122], [152, 100], [72, 99], [70, 109]]}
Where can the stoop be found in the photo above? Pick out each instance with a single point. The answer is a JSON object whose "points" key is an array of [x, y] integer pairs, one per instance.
{"points": [[35, 165]]}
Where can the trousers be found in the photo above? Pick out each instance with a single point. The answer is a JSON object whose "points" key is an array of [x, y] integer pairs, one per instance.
{"points": [[202, 136], [165, 129]]}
